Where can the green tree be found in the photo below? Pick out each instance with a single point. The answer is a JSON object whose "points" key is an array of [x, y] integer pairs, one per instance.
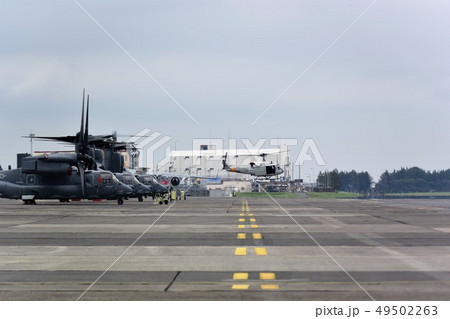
{"points": [[335, 181]]}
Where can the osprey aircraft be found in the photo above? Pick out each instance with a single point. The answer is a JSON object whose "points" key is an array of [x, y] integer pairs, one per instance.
{"points": [[63, 176], [258, 169], [104, 153]]}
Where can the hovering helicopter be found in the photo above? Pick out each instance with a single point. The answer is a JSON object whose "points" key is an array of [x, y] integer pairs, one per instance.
{"points": [[63, 176], [258, 169]]}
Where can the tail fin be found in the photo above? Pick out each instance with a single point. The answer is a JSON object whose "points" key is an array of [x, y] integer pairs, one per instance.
{"points": [[224, 162]]}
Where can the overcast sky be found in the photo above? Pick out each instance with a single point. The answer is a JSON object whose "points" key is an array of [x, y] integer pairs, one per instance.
{"points": [[377, 99]]}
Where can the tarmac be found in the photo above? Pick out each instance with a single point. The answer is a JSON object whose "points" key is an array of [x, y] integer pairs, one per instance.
{"points": [[226, 249]]}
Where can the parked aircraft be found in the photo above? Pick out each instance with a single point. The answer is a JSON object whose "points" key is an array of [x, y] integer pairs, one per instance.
{"points": [[139, 189], [63, 176]]}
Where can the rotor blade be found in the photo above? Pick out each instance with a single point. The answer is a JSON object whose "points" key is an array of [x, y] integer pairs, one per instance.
{"points": [[86, 129], [68, 139], [83, 178], [82, 122]]}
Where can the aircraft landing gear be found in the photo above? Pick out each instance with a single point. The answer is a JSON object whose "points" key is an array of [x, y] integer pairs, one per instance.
{"points": [[120, 201], [140, 199], [29, 202]]}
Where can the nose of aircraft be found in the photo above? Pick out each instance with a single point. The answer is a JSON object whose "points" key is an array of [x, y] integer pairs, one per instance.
{"points": [[162, 189], [145, 190], [124, 190]]}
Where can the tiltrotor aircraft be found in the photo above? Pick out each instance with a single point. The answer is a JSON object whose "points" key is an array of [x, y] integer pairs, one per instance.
{"points": [[258, 169], [63, 176], [104, 149]]}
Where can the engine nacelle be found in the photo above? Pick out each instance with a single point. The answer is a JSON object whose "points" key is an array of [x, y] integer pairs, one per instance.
{"points": [[175, 181], [35, 166]]}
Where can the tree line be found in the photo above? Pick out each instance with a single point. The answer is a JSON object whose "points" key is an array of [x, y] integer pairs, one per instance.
{"points": [[414, 179], [345, 181], [405, 180]]}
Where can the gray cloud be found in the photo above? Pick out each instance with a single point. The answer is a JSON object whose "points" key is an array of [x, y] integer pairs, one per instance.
{"points": [[377, 100]]}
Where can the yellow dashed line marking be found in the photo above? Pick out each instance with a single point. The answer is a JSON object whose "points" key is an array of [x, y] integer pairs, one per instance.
{"points": [[240, 251], [257, 236], [242, 287], [241, 236], [267, 276], [260, 251], [240, 276], [271, 287]]}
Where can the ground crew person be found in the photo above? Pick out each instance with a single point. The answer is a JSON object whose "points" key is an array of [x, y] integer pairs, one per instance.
{"points": [[158, 199], [182, 194], [173, 195]]}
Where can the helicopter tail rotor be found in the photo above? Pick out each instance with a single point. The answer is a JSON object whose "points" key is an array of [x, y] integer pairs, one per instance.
{"points": [[224, 162]]}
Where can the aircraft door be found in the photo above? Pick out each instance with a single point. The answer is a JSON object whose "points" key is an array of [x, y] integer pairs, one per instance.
{"points": [[106, 185], [89, 181], [90, 185], [270, 170]]}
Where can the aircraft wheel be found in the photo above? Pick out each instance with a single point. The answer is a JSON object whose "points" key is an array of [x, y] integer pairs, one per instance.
{"points": [[166, 202], [140, 199], [160, 203], [120, 201]]}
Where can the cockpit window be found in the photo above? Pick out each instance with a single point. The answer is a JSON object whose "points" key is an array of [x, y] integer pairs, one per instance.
{"points": [[127, 179], [107, 178], [114, 180]]}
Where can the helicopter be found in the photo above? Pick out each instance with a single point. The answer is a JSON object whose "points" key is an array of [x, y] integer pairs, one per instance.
{"points": [[258, 169], [65, 177]]}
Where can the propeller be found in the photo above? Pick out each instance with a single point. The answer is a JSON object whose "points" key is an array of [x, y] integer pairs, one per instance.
{"points": [[84, 160], [81, 151]]}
